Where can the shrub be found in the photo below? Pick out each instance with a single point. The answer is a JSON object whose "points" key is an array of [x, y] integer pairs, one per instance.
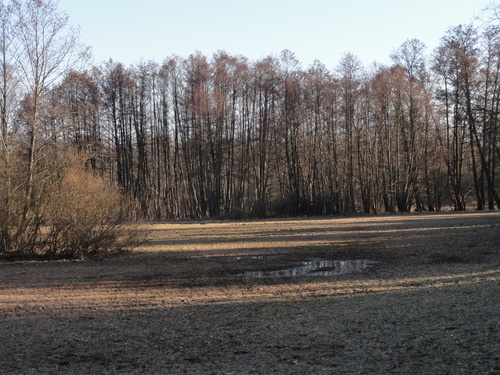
{"points": [[76, 214], [83, 216]]}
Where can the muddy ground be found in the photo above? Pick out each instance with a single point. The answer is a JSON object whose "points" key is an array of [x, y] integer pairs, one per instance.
{"points": [[181, 304]]}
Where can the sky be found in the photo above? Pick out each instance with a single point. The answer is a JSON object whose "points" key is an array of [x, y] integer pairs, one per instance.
{"points": [[130, 31]]}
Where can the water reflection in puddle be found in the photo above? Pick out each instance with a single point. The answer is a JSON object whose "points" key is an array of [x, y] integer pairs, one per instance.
{"points": [[317, 267]]}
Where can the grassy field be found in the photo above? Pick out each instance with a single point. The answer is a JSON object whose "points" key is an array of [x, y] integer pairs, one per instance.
{"points": [[179, 305]]}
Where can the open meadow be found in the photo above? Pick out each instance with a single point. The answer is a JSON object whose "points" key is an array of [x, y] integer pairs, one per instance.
{"points": [[200, 298]]}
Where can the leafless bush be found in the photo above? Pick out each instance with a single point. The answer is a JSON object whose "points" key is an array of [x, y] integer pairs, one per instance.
{"points": [[76, 214], [82, 216]]}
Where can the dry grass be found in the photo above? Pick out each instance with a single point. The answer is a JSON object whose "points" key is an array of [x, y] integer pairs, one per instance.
{"points": [[178, 306]]}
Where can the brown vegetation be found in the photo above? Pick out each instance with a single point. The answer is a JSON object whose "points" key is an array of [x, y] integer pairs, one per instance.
{"points": [[178, 306], [84, 213], [75, 213], [51, 203]]}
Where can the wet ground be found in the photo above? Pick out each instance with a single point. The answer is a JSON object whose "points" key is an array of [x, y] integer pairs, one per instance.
{"points": [[317, 267]]}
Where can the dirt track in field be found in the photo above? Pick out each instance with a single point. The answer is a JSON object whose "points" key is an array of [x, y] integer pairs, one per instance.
{"points": [[179, 305]]}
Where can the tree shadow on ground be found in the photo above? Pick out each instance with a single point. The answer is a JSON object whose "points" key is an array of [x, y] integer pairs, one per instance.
{"points": [[411, 326]]}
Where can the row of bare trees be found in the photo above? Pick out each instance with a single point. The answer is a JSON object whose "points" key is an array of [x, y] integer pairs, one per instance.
{"points": [[223, 136], [199, 137], [467, 66]]}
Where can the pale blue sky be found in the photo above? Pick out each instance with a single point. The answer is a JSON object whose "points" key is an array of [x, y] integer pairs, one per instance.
{"points": [[130, 30]]}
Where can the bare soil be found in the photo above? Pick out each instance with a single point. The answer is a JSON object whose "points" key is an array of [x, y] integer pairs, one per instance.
{"points": [[179, 305]]}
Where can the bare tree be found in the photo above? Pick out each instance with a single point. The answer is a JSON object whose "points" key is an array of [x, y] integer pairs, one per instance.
{"points": [[8, 62], [349, 71], [489, 108], [38, 50], [413, 128]]}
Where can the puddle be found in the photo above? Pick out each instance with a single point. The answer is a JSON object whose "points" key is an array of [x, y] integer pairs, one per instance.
{"points": [[317, 267]]}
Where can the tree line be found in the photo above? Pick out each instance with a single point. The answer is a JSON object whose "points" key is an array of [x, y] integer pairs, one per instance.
{"points": [[223, 136]]}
